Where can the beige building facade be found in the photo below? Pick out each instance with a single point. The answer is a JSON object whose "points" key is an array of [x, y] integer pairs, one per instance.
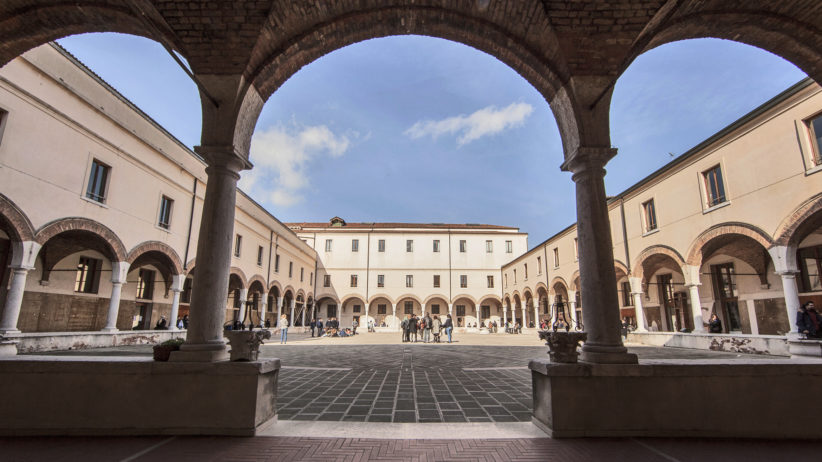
{"points": [[732, 227], [99, 212], [381, 272]]}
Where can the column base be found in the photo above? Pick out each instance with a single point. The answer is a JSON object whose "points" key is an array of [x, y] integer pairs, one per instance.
{"points": [[607, 355], [109, 330], [200, 353], [8, 348], [7, 332]]}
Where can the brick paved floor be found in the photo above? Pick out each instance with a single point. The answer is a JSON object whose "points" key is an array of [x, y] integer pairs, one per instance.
{"points": [[212, 449]]}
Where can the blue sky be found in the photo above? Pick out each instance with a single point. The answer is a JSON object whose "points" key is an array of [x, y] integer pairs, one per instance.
{"points": [[418, 129]]}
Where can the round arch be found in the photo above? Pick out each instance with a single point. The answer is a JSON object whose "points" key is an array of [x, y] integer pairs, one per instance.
{"points": [[411, 296], [656, 251], [239, 273], [380, 295], [276, 287], [541, 286], [113, 245], [465, 297], [13, 220], [695, 253], [430, 298], [558, 280], [350, 297], [168, 254], [493, 298], [256, 283], [799, 222]]}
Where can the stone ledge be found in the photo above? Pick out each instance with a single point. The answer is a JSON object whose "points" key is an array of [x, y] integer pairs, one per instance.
{"points": [[135, 396], [732, 343], [755, 399], [35, 342]]}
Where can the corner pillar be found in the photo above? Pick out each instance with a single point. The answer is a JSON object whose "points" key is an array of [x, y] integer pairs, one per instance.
{"points": [[23, 260], [596, 258], [176, 288], [636, 294], [785, 265]]}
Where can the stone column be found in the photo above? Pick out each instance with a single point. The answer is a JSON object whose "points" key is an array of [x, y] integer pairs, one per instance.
{"points": [[536, 315], [204, 339], [302, 323], [366, 318], [572, 312], [291, 306], [692, 283], [243, 300], [636, 294], [279, 309], [524, 315], [479, 318], [784, 259], [24, 256], [504, 316], [119, 270], [596, 258], [264, 309], [176, 288], [394, 320]]}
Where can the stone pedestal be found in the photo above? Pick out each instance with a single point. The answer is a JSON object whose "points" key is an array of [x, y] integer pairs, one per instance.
{"points": [[87, 395], [716, 399], [798, 346], [8, 347], [245, 345]]}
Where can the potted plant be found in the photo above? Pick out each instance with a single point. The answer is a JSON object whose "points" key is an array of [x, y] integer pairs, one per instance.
{"points": [[163, 351]]}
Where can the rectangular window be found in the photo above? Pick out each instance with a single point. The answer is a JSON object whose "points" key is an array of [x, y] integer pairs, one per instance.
{"points": [[436, 280], [353, 280], [525, 272], [490, 282], [539, 265], [509, 246], [88, 275], [328, 245], [556, 257], [381, 245], [814, 127], [326, 280], [357, 308], [409, 281], [276, 263], [489, 246], [380, 280], [164, 220], [98, 181], [409, 245], [436, 245], [460, 310], [409, 307], [302, 272], [331, 311], [714, 186], [626, 294], [463, 281], [485, 310], [260, 251], [435, 309], [463, 245], [238, 243], [290, 268], [382, 308], [649, 214], [145, 284], [355, 245]]}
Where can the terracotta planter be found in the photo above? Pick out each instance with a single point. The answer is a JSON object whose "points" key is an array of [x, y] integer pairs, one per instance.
{"points": [[163, 352]]}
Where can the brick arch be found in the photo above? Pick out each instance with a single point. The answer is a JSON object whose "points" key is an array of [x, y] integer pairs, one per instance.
{"points": [[173, 260], [695, 253], [466, 297], [434, 296], [380, 295], [112, 243], [259, 281], [638, 270], [495, 298], [795, 226], [411, 296], [350, 297], [275, 285], [574, 281], [14, 221], [527, 293], [300, 295], [288, 289], [621, 267], [43, 22], [541, 286], [239, 273], [558, 280], [791, 38], [532, 56]]}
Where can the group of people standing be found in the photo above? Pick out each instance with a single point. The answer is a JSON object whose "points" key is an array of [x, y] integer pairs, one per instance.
{"points": [[430, 326]]}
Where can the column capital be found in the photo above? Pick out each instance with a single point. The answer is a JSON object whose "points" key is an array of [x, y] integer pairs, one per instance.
{"points": [[24, 255], [119, 271], [587, 159], [224, 156], [177, 282]]}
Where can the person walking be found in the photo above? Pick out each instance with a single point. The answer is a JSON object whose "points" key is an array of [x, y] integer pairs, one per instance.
{"points": [[449, 327], [312, 325], [427, 325], [283, 325]]}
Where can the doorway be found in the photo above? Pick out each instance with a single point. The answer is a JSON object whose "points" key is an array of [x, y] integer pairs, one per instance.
{"points": [[727, 296]]}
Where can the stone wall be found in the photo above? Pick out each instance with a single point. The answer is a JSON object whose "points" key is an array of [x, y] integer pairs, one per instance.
{"points": [[55, 312]]}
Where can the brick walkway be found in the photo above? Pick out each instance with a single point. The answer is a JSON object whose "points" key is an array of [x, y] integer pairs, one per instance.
{"points": [[208, 449]]}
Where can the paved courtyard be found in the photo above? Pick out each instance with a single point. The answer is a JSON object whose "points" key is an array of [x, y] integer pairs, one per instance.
{"points": [[375, 378]]}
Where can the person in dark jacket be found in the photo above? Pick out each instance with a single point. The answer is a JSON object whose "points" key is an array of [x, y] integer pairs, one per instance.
{"points": [[715, 325], [319, 326], [809, 321], [427, 324], [406, 329], [448, 325], [413, 325]]}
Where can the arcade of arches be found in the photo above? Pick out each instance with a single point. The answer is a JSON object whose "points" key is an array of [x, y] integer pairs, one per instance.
{"points": [[241, 52]]}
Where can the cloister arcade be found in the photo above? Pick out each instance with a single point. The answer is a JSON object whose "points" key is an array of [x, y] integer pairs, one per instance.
{"points": [[564, 59]]}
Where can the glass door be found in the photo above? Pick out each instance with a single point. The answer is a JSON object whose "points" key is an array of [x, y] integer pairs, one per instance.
{"points": [[727, 296]]}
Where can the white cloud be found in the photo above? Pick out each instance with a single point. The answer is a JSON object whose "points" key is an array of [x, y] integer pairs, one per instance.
{"points": [[486, 121], [281, 157]]}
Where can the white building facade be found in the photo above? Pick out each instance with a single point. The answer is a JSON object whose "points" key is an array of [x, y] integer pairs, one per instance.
{"points": [[384, 271]]}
